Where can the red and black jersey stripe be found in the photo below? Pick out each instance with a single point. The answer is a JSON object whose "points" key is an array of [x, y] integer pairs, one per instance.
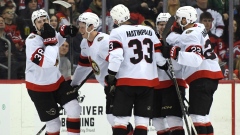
{"points": [[157, 47], [84, 61], [114, 45]]}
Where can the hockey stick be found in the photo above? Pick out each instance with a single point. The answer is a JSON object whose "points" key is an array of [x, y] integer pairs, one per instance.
{"points": [[68, 5], [78, 98], [166, 31]]}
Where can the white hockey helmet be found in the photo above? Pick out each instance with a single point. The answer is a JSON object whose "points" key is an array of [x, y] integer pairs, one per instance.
{"points": [[120, 13], [89, 18], [163, 17], [37, 14], [187, 12]]}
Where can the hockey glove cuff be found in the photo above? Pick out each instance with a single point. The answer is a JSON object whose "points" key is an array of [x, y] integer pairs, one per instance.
{"points": [[174, 52], [50, 41], [169, 51], [68, 30]]}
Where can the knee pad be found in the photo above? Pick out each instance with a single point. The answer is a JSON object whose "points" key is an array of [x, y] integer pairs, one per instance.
{"points": [[174, 121], [199, 118], [159, 123], [110, 119], [53, 126], [121, 121], [72, 109], [141, 121]]}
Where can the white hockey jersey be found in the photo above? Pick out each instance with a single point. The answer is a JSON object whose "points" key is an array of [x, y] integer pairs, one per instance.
{"points": [[41, 72], [134, 52], [164, 79], [93, 57], [196, 55]]}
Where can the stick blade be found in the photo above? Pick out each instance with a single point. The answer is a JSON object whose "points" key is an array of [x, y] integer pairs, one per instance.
{"points": [[63, 3]]}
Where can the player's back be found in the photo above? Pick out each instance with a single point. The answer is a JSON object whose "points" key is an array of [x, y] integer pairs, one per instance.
{"points": [[138, 67]]}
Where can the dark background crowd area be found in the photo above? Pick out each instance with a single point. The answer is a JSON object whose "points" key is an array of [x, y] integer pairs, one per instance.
{"points": [[16, 25]]}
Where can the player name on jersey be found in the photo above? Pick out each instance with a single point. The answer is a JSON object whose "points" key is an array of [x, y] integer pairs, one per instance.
{"points": [[134, 33]]}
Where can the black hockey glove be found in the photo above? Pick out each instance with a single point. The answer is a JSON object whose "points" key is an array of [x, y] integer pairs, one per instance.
{"points": [[49, 35], [169, 51], [164, 67], [75, 91], [48, 31], [110, 81], [68, 30]]}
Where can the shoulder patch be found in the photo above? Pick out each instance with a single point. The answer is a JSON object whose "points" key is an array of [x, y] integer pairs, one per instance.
{"points": [[188, 31], [31, 37], [100, 38]]}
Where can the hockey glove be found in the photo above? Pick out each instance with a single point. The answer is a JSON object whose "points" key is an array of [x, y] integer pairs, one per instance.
{"points": [[48, 31], [164, 67], [74, 91], [68, 30], [176, 28], [110, 81], [170, 51], [49, 35]]}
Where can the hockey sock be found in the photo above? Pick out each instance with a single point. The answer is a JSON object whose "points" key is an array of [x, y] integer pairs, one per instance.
{"points": [[176, 131], [162, 132], [120, 130], [209, 127], [129, 129], [140, 130], [73, 126], [200, 128], [56, 133]]}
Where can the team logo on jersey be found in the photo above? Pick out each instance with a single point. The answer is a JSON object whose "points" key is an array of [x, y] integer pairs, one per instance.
{"points": [[95, 67], [31, 37], [52, 111], [99, 39], [189, 31]]}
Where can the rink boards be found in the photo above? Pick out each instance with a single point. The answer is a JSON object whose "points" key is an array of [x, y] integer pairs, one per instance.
{"points": [[18, 114]]}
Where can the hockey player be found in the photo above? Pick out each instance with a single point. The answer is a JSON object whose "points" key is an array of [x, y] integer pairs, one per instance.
{"points": [[167, 115], [200, 67], [44, 82], [161, 21], [93, 57], [133, 56]]}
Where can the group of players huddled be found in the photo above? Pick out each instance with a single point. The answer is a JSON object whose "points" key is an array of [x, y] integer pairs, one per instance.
{"points": [[132, 64]]}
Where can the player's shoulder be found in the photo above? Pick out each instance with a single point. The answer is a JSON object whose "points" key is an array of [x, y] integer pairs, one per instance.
{"points": [[101, 38], [33, 38], [197, 30]]}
